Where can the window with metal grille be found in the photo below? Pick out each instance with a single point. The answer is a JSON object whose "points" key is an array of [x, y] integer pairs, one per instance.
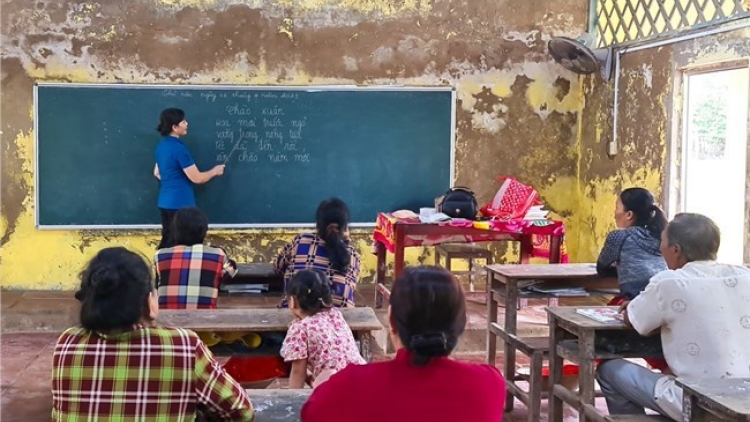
{"points": [[623, 21]]}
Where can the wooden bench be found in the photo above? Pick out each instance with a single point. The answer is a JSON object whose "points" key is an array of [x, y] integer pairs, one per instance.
{"points": [[362, 321], [505, 285], [278, 404], [594, 415], [537, 348], [726, 399], [467, 251]]}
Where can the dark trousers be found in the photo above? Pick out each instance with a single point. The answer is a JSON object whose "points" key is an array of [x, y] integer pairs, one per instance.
{"points": [[167, 239]]}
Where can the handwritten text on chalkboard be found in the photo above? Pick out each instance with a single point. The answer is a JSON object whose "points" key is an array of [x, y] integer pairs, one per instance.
{"points": [[255, 129]]}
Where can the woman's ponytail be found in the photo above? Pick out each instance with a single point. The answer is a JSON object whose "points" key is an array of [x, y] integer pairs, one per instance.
{"points": [[332, 219]]}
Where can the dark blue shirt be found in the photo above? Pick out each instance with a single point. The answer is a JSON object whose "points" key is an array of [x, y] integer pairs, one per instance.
{"points": [[175, 190]]}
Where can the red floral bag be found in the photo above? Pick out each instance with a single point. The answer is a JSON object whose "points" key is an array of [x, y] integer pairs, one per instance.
{"points": [[513, 200]]}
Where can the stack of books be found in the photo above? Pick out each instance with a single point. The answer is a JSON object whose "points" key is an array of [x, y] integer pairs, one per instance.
{"points": [[536, 212]]}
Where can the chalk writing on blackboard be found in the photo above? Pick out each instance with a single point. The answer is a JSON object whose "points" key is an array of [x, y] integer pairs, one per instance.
{"points": [[272, 122], [209, 97], [238, 110], [272, 111], [251, 133]]}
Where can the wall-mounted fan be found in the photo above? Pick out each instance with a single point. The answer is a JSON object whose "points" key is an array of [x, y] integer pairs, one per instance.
{"points": [[577, 57]]}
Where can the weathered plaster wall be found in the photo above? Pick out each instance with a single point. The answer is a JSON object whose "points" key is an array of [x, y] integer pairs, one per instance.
{"points": [[649, 122], [517, 111]]}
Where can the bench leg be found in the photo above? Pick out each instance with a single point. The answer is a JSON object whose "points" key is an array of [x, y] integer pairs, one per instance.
{"points": [[535, 386], [691, 411], [491, 317], [471, 275], [364, 346]]}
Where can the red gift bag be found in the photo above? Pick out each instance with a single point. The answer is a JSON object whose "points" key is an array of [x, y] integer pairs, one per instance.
{"points": [[513, 200]]}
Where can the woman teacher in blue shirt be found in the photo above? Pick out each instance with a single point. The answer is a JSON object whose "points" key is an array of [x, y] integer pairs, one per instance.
{"points": [[176, 170]]}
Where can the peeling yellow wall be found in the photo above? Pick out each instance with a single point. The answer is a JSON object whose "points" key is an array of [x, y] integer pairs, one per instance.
{"points": [[517, 111], [649, 104]]}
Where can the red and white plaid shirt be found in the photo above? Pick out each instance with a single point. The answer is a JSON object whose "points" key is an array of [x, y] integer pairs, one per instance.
{"points": [[189, 276], [144, 374]]}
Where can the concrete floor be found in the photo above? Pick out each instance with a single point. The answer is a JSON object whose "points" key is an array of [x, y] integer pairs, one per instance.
{"points": [[32, 321]]}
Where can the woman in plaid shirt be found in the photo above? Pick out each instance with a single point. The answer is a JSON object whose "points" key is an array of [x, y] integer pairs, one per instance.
{"points": [[189, 274], [328, 251], [118, 366]]}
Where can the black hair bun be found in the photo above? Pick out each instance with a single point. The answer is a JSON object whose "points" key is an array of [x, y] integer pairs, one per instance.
{"points": [[430, 344], [105, 280]]}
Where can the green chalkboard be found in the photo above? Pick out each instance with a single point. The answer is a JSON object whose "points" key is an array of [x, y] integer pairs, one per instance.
{"points": [[378, 149]]}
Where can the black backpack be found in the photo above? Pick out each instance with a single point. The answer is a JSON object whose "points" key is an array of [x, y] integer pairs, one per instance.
{"points": [[459, 203]]}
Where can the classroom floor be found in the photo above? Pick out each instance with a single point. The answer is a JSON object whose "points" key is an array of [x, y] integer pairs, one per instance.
{"points": [[31, 322]]}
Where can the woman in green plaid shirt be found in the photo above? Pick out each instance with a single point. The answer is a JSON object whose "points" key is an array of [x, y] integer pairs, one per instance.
{"points": [[118, 366]]}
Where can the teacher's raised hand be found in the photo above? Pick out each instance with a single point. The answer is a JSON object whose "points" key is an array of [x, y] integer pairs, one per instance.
{"points": [[218, 169]]}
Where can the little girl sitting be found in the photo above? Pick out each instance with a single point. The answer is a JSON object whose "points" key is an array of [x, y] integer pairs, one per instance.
{"points": [[319, 342]]}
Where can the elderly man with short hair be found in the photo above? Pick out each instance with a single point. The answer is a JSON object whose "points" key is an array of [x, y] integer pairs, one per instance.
{"points": [[701, 309]]}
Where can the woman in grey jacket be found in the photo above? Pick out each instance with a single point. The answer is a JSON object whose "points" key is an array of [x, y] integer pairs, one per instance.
{"points": [[632, 251]]}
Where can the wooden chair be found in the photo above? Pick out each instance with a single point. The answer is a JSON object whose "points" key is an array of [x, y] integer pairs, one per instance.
{"points": [[467, 251]]}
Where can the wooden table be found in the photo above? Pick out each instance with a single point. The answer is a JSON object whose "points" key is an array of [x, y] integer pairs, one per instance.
{"points": [[507, 281], [573, 337], [253, 277], [726, 399], [278, 404], [362, 321], [400, 233]]}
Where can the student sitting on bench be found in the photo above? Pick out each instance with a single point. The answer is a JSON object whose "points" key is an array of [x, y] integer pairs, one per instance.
{"points": [[119, 366], [328, 250], [189, 274], [319, 341], [699, 308], [427, 316], [632, 251]]}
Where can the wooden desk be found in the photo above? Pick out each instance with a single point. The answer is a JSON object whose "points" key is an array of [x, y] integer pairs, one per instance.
{"points": [[565, 324], [253, 275], [362, 321], [708, 400], [506, 281], [278, 405], [400, 234]]}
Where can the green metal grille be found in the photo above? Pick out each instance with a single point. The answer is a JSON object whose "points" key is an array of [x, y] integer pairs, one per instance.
{"points": [[622, 21]]}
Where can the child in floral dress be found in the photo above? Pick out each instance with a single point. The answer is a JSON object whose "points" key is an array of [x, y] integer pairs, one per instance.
{"points": [[319, 342]]}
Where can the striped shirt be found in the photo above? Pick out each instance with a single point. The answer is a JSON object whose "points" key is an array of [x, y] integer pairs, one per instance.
{"points": [[308, 252], [189, 276], [143, 374]]}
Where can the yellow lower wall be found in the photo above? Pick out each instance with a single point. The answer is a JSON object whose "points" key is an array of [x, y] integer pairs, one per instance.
{"points": [[517, 111]]}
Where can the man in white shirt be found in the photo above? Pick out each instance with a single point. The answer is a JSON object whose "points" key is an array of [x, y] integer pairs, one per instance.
{"points": [[702, 310]]}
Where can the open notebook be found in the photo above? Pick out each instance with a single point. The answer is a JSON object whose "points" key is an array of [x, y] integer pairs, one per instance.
{"points": [[601, 314]]}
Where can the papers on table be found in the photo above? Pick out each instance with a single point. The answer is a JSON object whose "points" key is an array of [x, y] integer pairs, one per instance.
{"points": [[536, 213], [434, 218], [560, 292], [244, 288], [601, 314]]}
